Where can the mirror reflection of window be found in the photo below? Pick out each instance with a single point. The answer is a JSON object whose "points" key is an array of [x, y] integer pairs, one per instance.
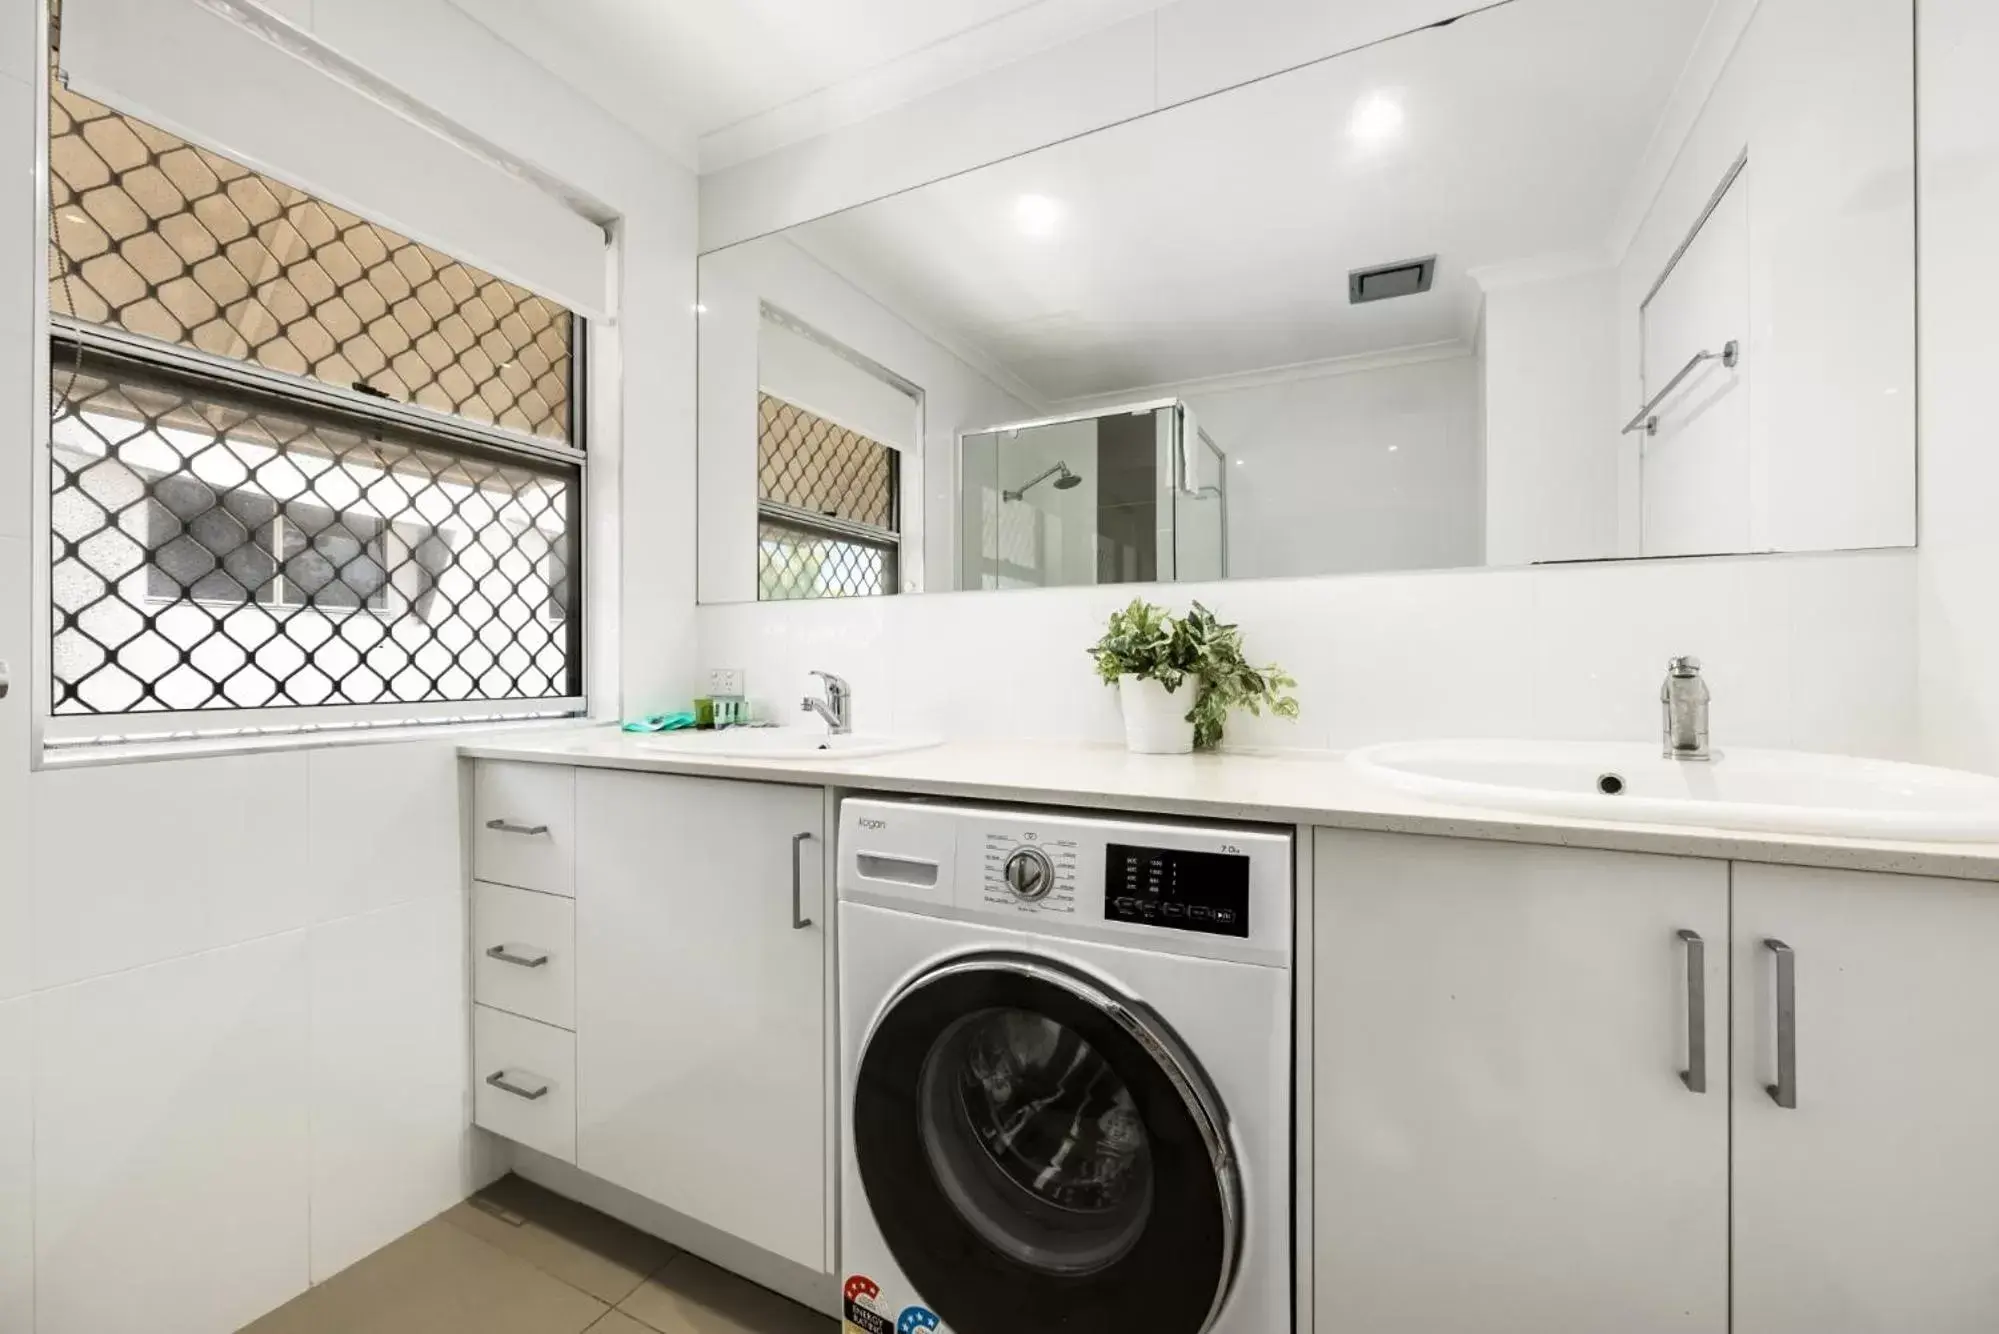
{"points": [[835, 435], [826, 507]]}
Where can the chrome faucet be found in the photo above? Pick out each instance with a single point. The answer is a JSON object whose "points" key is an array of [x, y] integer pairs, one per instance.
{"points": [[838, 706], [1683, 711]]}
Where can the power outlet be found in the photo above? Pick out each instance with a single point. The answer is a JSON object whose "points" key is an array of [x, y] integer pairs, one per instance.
{"points": [[725, 680]]}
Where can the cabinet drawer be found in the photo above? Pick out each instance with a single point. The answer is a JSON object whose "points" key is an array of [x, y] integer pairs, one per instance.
{"points": [[523, 826], [524, 953], [526, 1088]]}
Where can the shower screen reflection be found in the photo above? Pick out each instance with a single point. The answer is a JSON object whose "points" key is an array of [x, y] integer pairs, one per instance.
{"points": [[1129, 494]]}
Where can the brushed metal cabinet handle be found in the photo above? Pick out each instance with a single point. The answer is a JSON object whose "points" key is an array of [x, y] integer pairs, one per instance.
{"points": [[509, 827], [505, 955], [799, 921], [498, 1079], [1695, 1075], [1785, 1091]]}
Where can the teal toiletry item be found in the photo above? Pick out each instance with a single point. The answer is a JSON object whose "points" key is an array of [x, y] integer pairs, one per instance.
{"points": [[661, 722]]}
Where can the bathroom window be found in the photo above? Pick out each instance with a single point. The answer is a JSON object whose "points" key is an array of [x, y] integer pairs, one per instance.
{"points": [[298, 460], [828, 512], [157, 237]]}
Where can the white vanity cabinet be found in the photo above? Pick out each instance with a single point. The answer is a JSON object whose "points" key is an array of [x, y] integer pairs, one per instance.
{"points": [[1502, 1135], [1870, 1205], [1502, 1138], [701, 1010]]}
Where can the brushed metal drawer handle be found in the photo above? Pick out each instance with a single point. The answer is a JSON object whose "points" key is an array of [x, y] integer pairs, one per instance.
{"points": [[509, 827], [1785, 1091], [498, 1079], [1695, 1075], [504, 955], [799, 921]]}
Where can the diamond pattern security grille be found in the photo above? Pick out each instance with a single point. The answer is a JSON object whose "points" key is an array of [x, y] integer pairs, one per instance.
{"points": [[827, 507], [156, 236], [808, 463], [216, 548], [799, 562]]}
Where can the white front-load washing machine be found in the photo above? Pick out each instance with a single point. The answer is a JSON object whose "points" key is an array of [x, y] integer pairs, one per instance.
{"points": [[1065, 1065]]}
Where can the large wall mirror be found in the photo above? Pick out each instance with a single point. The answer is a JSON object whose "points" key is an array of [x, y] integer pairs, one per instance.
{"points": [[1562, 280]]}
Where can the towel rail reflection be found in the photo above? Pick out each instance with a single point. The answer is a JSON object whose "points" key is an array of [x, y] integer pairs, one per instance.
{"points": [[1731, 352]]}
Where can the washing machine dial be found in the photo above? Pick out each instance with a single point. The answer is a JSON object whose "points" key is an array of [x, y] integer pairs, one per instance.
{"points": [[1029, 874]]}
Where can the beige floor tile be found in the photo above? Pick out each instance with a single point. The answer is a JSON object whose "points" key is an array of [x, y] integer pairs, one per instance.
{"points": [[573, 1242], [691, 1296], [617, 1322], [438, 1279]]}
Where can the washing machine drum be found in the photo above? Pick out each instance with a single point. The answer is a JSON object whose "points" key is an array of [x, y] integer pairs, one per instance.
{"points": [[1040, 1153]]}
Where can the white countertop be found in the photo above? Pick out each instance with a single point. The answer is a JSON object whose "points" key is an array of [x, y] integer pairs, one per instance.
{"points": [[1277, 787]]}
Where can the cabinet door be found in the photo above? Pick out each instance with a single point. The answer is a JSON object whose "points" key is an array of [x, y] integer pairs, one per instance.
{"points": [[1870, 1206], [700, 1007], [1502, 1137]]}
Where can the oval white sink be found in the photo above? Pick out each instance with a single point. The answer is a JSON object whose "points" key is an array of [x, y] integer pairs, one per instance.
{"points": [[1764, 790], [781, 743]]}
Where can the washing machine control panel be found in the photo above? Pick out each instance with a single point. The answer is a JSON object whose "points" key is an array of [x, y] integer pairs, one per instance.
{"points": [[1177, 888], [1030, 869], [1203, 889]]}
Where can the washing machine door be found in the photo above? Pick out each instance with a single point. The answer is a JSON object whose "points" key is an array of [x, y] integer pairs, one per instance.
{"points": [[1040, 1153]]}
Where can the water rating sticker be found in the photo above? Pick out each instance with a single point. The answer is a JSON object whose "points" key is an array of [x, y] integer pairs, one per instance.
{"points": [[864, 1311], [916, 1320]]}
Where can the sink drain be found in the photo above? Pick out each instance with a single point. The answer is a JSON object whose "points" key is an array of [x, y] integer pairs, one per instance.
{"points": [[1610, 784]]}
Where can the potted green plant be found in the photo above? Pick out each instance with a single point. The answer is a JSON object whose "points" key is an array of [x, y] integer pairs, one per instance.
{"points": [[1145, 656], [1178, 677]]}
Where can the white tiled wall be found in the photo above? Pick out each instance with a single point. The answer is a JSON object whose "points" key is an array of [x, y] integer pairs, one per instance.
{"points": [[16, 821], [388, 1078], [171, 1142], [206, 853], [1816, 652], [17, 1166], [17, 288], [371, 830], [249, 1036], [19, 25]]}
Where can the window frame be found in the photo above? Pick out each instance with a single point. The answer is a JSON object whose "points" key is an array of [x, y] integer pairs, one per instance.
{"points": [[828, 528], [67, 336]]}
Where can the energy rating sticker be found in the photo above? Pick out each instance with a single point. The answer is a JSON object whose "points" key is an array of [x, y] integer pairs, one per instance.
{"points": [[863, 1306], [916, 1320]]}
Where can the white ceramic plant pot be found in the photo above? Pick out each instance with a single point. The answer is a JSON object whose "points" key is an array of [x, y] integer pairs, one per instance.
{"points": [[1155, 719]]}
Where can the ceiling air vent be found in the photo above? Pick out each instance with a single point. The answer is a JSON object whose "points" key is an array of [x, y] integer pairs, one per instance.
{"points": [[1385, 281]]}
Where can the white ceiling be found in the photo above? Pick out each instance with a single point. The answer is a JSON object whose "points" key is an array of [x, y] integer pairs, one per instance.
{"points": [[1216, 238], [676, 70]]}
